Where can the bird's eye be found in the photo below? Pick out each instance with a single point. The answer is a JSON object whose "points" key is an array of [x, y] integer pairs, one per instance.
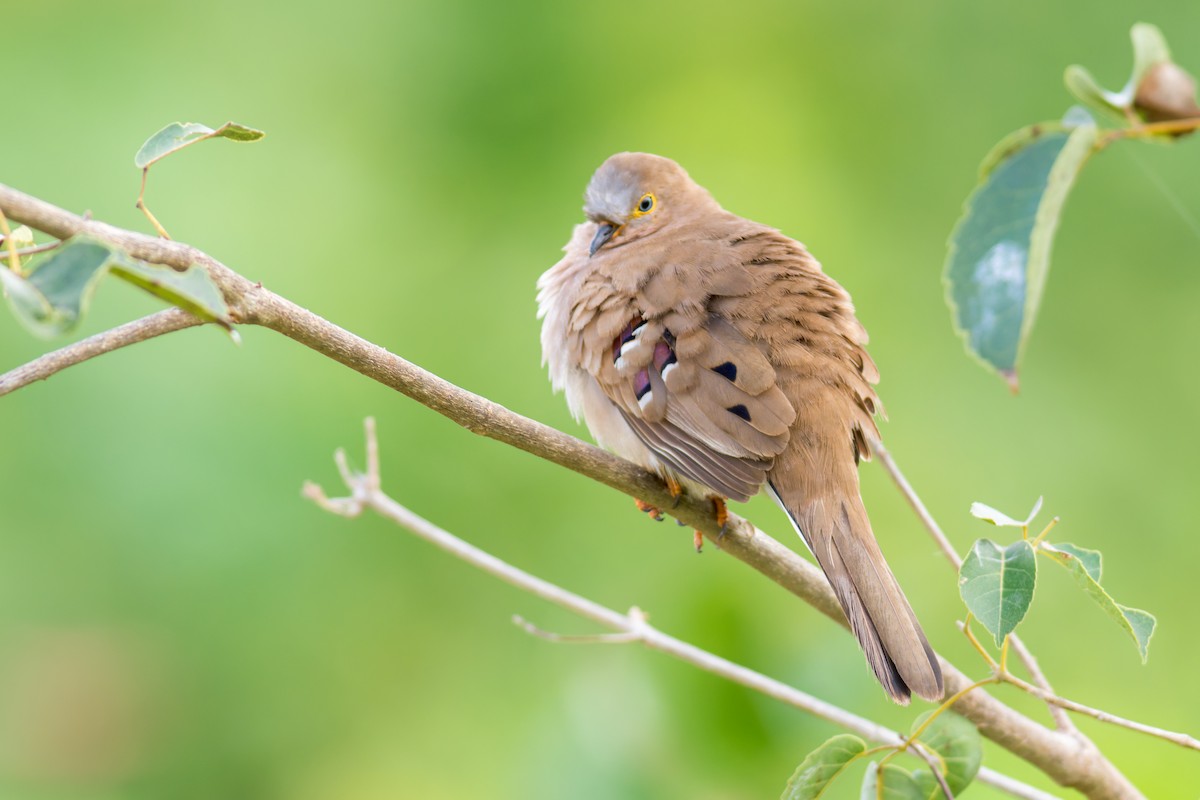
{"points": [[646, 204]]}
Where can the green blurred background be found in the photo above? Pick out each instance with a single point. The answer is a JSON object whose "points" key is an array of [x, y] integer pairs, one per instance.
{"points": [[175, 621]]}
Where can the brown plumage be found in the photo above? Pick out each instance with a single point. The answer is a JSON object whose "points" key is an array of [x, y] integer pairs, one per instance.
{"points": [[715, 350]]}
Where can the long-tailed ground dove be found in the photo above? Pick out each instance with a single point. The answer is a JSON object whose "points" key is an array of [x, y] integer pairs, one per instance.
{"points": [[714, 350]]}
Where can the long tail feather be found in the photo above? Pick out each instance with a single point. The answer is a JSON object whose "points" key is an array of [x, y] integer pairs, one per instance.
{"points": [[839, 535]]}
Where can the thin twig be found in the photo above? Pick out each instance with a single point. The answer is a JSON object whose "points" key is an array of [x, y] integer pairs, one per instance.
{"points": [[165, 321], [365, 493], [1061, 720], [1181, 739], [33, 251], [585, 638]]}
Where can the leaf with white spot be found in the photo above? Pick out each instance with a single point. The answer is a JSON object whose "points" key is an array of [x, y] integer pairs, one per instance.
{"points": [[999, 251]]}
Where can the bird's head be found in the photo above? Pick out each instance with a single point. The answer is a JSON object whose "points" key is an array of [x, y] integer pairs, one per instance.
{"points": [[634, 194]]}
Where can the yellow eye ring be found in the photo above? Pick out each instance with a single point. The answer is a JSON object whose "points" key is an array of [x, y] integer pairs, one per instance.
{"points": [[645, 205]]}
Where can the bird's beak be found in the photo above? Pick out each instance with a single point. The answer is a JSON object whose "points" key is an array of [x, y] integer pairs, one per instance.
{"points": [[605, 232]]}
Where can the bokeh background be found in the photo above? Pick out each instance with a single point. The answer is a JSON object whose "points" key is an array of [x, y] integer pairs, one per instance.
{"points": [[175, 621]]}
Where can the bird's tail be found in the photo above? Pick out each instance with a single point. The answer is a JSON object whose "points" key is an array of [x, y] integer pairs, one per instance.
{"points": [[835, 527]]}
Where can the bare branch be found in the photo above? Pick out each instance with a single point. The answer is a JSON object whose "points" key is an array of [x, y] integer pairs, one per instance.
{"points": [[1066, 760], [365, 493], [1181, 739], [587, 638], [165, 321]]}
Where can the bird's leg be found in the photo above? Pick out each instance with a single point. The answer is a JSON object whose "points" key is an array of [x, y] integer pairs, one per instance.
{"points": [[674, 488], [722, 513], [722, 519]]}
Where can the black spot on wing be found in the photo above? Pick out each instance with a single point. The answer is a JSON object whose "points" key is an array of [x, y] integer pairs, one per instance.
{"points": [[728, 371], [740, 411]]}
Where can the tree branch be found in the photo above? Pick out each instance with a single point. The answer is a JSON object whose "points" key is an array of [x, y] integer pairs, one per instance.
{"points": [[366, 493], [1064, 759], [165, 321]]}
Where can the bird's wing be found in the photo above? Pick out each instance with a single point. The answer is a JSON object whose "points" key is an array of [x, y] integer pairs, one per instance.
{"points": [[693, 387]]}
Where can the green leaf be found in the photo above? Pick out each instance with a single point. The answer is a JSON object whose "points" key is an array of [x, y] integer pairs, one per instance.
{"points": [[26, 302], [821, 766], [1090, 561], [54, 297], [192, 290], [958, 742], [999, 251], [1149, 48], [1086, 566], [989, 514], [890, 783], [178, 135], [997, 585]]}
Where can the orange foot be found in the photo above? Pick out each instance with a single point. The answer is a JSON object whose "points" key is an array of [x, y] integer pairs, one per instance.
{"points": [[655, 513], [722, 519], [674, 488], [722, 514]]}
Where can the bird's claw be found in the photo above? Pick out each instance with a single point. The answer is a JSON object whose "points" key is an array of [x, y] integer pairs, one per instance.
{"points": [[654, 512]]}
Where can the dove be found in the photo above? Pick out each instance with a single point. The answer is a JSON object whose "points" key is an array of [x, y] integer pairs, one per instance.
{"points": [[714, 350]]}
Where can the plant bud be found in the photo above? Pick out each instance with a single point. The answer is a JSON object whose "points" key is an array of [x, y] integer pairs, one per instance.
{"points": [[1167, 92]]}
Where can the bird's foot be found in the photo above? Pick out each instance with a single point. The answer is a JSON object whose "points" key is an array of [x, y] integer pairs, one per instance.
{"points": [[722, 512], [722, 519], [674, 487], [654, 512]]}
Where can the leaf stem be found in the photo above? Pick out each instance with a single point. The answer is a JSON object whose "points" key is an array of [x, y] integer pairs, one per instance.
{"points": [[1045, 531], [966, 629], [141, 205], [1146, 130]]}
